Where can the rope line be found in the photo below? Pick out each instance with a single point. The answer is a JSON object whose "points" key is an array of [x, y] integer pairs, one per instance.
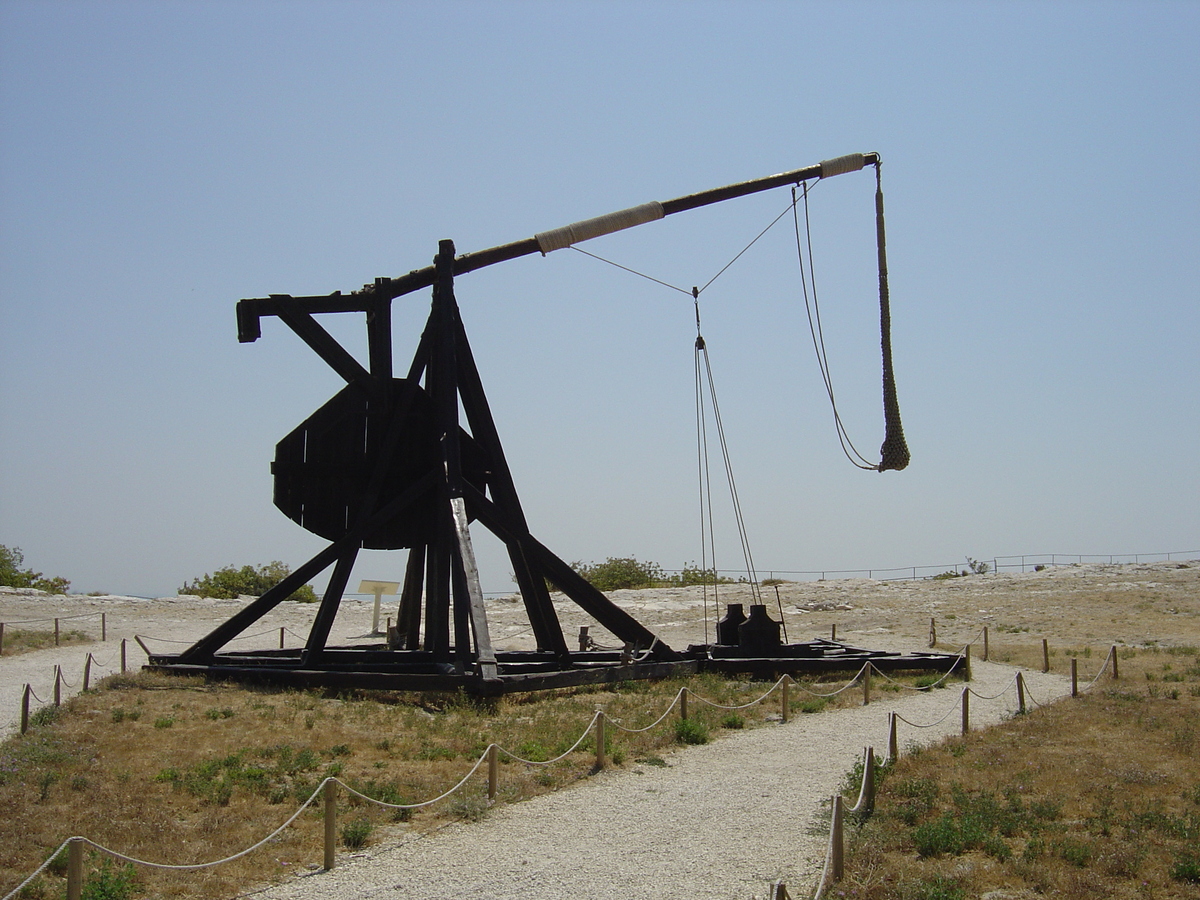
{"points": [[813, 309], [621, 727], [754, 702], [1011, 686], [38, 871], [52, 618], [206, 865], [532, 762]]}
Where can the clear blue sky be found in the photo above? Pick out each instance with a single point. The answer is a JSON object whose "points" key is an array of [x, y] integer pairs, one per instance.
{"points": [[159, 161]]}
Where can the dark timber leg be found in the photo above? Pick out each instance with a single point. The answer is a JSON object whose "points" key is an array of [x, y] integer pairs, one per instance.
{"points": [[319, 634], [408, 621]]}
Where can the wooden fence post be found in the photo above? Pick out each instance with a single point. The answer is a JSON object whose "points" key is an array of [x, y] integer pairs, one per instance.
{"points": [[122, 656], [784, 703], [932, 633], [493, 771], [683, 704], [58, 685], [1116, 671], [1045, 656], [868, 790], [966, 710], [56, 632], [985, 643], [584, 640], [1020, 694], [103, 626], [330, 792], [87, 672], [74, 868], [1, 638], [893, 745], [1074, 676], [837, 857], [25, 709], [967, 662], [833, 632], [867, 684], [600, 760], [281, 631]]}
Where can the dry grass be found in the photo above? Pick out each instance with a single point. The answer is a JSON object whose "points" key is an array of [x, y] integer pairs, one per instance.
{"points": [[182, 771], [17, 640], [1097, 797]]}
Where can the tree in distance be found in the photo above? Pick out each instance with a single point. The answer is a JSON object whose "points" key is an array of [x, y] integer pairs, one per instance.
{"points": [[12, 575], [231, 582]]}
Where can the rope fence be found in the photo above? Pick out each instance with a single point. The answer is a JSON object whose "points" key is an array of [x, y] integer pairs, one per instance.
{"points": [[833, 869]]}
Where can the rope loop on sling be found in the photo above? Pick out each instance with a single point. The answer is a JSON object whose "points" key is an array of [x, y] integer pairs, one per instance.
{"points": [[894, 453]]}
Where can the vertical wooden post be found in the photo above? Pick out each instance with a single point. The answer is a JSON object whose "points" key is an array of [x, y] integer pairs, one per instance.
{"points": [[967, 664], [330, 794], [74, 868], [25, 709], [1116, 671], [1, 638], [837, 857], [932, 633], [985, 643], [1020, 693], [893, 744], [784, 703], [683, 703], [833, 634], [867, 684], [966, 710], [600, 757], [1045, 656], [58, 685], [493, 771], [584, 640], [87, 672], [103, 626], [1074, 676], [56, 632], [281, 631], [868, 782], [122, 656]]}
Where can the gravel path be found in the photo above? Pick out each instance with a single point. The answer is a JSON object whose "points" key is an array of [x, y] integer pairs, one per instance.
{"points": [[723, 820]]}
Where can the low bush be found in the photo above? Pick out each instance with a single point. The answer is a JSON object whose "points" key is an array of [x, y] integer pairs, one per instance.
{"points": [[231, 582]]}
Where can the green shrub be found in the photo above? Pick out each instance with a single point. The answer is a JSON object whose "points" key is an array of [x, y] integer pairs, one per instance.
{"points": [[691, 731], [616, 574], [12, 575], [356, 833], [230, 583], [110, 882]]}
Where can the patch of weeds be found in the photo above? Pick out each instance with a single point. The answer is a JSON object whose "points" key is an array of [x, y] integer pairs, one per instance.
{"points": [[691, 731], [1187, 868], [47, 715], [948, 834], [355, 833], [812, 705], [1076, 853], [533, 751], [338, 750], [45, 782], [164, 722], [110, 882], [733, 721], [431, 753], [216, 714], [469, 807], [938, 888], [917, 797], [652, 761]]}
